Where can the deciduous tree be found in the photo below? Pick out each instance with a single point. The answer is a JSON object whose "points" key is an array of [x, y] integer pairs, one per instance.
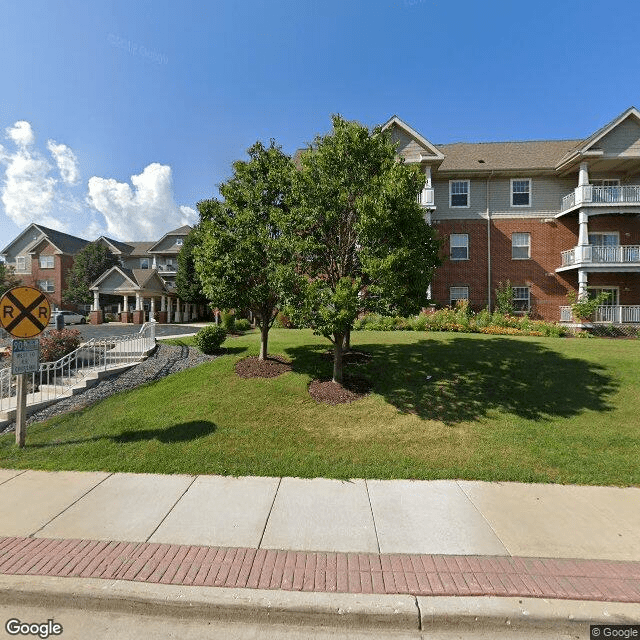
{"points": [[89, 264], [242, 257], [366, 245]]}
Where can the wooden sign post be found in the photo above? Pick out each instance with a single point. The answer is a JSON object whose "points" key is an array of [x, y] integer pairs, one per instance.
{"points": [[24, 313]]}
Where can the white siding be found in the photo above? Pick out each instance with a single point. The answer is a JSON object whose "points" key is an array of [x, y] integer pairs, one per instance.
{"points": [[623, 141]]}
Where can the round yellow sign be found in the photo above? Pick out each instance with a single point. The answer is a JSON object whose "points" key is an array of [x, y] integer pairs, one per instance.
{"points": [[24, 312]]}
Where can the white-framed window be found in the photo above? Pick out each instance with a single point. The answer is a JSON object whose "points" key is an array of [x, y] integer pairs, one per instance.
{"points": [[47, 286], [521, 299], [179, 241], [611, 301], [459, 192], [521, 192], [604, 239], [606, 190], [144, 263], [21, 264], [46, 262], [456, 294], [459, 246], [520, 246]]}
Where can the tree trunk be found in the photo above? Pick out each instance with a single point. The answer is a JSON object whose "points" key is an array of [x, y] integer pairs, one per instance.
{"points": [[264, 337], [337, 357], [346, 343]]}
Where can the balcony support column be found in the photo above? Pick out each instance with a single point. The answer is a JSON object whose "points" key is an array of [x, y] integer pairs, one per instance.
{"points": [[582, 284], [583, 176]]}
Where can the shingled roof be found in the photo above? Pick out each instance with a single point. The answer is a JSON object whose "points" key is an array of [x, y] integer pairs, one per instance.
{"points": [[65, 242], [504, 156]]}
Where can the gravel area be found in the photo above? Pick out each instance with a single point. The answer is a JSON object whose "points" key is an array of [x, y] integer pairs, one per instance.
{"points": [[164, 360]]}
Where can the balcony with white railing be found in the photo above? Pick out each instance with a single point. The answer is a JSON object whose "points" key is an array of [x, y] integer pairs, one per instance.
{"points": [[615, 256], [613, 314], [598, 196], [426, 198]]}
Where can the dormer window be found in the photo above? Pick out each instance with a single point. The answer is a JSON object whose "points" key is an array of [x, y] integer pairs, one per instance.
{"points": [[144, 263], [179, 241]]}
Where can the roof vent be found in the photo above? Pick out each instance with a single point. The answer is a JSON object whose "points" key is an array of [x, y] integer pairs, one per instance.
{"points": [[481, 161]]}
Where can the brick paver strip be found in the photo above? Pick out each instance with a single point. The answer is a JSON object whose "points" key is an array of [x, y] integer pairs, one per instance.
{"points": [[413, 574]]}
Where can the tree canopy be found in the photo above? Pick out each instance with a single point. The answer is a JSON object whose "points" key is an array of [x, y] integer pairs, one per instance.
{"points": [[188, 285], [8, 278], [366, 245], [242, 257], [89, 264]]}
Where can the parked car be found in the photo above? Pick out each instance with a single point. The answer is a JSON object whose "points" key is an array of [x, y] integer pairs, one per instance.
{"points": [[70, 317]]}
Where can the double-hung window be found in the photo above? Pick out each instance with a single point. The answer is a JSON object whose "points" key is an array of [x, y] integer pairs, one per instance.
{"points": [[456, 294], [144, 263], [520, 246], [21, 264], [521, 299], [521, 192], [459, 246], [459, 193], [47, 286], [46, 262]]}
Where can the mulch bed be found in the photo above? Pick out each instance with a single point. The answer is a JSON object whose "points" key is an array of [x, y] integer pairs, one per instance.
{"points": [[329, 392], [272, 367], [349, 357]]}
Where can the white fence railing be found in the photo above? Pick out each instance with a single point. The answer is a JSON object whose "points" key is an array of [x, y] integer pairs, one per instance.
{"points": [[593, 194], [613, 254], [617, 314], [54, 379]]}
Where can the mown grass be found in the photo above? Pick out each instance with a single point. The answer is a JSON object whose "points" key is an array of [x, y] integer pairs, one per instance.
{"points": [[443, 406]]}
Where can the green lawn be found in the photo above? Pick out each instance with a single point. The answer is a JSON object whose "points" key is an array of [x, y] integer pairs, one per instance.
{"points": [[494, 408]]}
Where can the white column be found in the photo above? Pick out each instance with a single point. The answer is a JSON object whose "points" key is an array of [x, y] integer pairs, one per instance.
{"points": [[177, 317], [583, 176], [583, 237], [96, 301], [163, 303], [125, 306], [138, 301], [152, 310], [427, 173], [582, 284], [185, 315], [169, 309]]}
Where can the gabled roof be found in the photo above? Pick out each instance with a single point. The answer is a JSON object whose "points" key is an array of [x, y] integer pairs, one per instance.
{"points": [[127, 273], [180, 231], [63, 242], [503, 156], [138, 278], [139, 248], [586, 145], [120, 247], [431, 148]]}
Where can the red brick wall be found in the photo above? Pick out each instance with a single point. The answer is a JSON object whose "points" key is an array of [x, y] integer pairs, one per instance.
{"points": [[548, 239], [62, 264]]}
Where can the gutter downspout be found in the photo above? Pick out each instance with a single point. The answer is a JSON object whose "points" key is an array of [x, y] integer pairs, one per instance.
{"points": [[488, 246]]}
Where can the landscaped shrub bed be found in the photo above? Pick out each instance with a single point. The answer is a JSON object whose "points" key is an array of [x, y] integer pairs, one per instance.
{"points": [[463, 320]]}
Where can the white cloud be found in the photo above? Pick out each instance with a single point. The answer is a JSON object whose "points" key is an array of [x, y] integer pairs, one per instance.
{"points": [[66, 161], [145, 212], [21, 133], [29, 192]]}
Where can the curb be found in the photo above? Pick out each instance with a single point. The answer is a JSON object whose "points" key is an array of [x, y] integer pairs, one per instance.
{"points": [[390, 612]]}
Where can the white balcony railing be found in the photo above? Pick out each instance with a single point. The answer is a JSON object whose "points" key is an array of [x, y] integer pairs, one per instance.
{"points": [[616, 314], [592, 194], [596, 254]]}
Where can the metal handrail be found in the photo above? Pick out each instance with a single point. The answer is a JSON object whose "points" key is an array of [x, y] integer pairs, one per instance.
{"points": [[53, 379]]}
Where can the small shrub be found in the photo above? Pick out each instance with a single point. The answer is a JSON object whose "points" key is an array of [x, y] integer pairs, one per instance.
{"points": [[243, 325], [229, 321], [504, 298], [209, 338], [482, 319], [419, 323], [57, 344]]}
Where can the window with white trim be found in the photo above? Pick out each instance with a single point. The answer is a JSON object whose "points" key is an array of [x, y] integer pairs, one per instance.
{"points": [[46, 262], [459, 246], [179, 242], [21, 264], [47, 286], [456, 294], [459, 193], [144, 263], [604, 239], [520, 246], [611, 301], [521, 299], [521, 192]]}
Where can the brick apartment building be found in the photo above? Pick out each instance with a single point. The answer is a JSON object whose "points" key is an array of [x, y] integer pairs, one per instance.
{"points": [[144, 280], [551, 217]]}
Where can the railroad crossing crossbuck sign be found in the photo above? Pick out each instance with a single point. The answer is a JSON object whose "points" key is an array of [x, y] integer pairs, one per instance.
{"points": [[24, 312]]}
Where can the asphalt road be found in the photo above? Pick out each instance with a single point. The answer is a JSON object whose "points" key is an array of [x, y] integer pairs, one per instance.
{"points": [[117, 329]]}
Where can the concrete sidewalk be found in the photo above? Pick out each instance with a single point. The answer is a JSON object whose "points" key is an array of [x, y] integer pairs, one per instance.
{"points": [[384, 539]]}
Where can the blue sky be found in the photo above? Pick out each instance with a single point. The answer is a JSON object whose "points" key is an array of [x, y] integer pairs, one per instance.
{"points": [[131, 112]]}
